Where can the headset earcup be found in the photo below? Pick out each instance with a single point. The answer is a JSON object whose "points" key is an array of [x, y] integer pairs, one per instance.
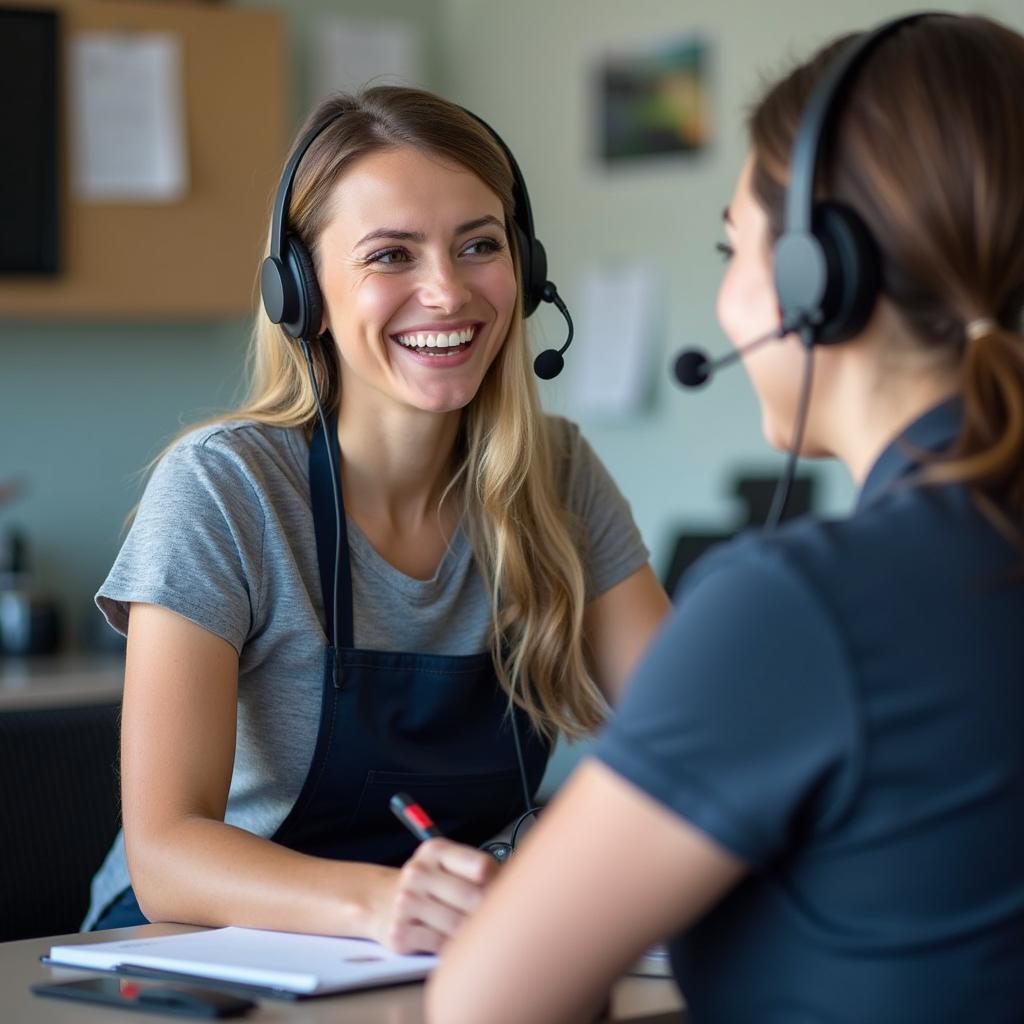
{"points": [[309, 308], [534, 262], [854, 271]]}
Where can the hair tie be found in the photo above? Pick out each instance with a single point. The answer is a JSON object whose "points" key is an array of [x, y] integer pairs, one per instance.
{"points": [[980, 327]]}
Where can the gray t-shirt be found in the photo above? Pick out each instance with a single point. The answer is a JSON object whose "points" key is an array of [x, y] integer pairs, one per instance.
{"points": [[224, 536]]}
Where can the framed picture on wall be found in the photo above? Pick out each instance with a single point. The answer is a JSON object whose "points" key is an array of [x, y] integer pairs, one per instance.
{"points": [[653, 101]]}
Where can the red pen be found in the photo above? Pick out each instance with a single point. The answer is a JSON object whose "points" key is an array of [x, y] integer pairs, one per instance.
{"points": [[413, 817]]}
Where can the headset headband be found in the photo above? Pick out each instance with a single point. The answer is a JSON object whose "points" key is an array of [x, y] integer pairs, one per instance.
{"points": [[820, 112], [282, 200], [522, 212]]}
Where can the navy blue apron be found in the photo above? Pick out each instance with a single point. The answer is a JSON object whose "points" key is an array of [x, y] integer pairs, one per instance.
{"points": [[435, 726]]}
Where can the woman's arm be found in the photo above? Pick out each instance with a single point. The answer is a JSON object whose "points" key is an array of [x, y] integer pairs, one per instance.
{"points": [[618, 626], [606, 872], [187, 864]]}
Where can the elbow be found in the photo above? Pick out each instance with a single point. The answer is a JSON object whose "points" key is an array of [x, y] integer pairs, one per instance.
{"points": [[149, 860]]}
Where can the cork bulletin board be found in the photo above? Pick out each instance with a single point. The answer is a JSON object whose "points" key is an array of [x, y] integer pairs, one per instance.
{"points": [[196, 257]]}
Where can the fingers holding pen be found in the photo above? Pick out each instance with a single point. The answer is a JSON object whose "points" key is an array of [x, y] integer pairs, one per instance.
{"points": [[450, 873], [437, 887], [428, 902]]}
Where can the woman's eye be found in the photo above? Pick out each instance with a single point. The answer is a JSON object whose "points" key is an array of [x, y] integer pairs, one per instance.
{"points": [[483, 247], [389, 257], [725, 250]]}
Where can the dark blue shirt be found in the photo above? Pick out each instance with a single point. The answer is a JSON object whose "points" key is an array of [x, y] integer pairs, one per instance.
{"points": [[841, 705]]}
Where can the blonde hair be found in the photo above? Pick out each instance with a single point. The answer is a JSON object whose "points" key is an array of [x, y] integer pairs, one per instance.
{"points": [[526, 543]]}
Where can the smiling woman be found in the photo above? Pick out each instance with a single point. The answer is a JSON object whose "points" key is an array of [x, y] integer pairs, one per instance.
{"points": [[386, 571]]}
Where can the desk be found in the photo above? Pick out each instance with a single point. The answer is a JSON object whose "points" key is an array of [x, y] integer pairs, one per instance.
{"points": [[20, 967]]}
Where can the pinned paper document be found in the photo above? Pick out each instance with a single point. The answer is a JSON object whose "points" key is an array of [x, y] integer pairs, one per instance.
{"points": [[127, 117], [616, 327], [351, 53]]}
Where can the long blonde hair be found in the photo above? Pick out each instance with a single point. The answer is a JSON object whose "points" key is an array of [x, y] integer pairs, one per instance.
{"points": [[527, 545]]}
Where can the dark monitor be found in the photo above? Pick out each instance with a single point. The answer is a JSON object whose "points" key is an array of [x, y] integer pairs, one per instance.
{"points": [[756, 493], [29, 219]]}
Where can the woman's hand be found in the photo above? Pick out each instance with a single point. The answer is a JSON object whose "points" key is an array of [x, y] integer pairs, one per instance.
{"points": [[437, 888]]}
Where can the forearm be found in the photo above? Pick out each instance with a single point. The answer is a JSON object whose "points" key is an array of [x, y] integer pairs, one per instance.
{"points": [[605, 872], [203, 871]]}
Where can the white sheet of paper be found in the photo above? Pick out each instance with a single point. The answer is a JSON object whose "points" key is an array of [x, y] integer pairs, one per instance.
{"points": [[127, 119], [616, 327], [304, 964], [353, 52]]}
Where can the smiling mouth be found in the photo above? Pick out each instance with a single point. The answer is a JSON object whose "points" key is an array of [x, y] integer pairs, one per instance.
{"points": [[440, 344]]}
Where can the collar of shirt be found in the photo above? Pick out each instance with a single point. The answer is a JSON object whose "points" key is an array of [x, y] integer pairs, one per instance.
{"points": [[934, 431]]}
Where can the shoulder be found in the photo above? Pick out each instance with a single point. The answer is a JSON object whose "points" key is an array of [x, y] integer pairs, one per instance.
{"points": [[848, 565], [781, 576], [234, 470], [223, 453], [576, 466], [793, 554], [587, 490], [241, 440], [564, 438], [770, 599], [750, 659]]}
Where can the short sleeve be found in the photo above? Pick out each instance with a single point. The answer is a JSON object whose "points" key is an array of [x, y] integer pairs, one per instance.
{"points": [[195, 545], [741, 717], [613, 548]]}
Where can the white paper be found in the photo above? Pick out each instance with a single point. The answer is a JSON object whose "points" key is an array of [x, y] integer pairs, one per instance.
{"points": [[616, 328], [351, 53], [127, 121], [304, 964]]}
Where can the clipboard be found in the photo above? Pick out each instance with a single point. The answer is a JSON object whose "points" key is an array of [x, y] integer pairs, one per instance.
{"points": [[279, 965]]}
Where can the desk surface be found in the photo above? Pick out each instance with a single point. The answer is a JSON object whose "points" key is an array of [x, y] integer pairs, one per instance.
{"points": [[20, 967]]}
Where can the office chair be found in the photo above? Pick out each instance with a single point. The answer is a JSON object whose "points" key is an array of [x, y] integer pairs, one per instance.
{"points": [[59, 812]]}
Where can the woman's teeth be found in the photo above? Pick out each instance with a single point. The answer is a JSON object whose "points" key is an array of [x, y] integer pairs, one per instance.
{"points": [[448, 342]]}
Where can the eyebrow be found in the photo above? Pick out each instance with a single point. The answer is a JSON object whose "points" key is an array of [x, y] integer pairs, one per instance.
{"points": [[727, 216], [396, 234]]}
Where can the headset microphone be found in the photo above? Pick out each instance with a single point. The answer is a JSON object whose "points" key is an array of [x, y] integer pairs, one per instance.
{"points": [[549, 363], [693, 368]]}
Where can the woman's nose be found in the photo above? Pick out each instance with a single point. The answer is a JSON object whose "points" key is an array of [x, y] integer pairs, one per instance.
{"points": [[443, 287]]}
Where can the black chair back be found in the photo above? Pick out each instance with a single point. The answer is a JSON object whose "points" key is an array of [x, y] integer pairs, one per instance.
{"points": [[59, 813]]}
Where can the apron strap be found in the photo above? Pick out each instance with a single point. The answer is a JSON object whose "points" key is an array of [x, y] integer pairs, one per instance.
{"points": [[321, 489]]}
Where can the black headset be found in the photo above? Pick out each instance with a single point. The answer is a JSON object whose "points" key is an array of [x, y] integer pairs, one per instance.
{"points": [[826, 263], [290, 291]]}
